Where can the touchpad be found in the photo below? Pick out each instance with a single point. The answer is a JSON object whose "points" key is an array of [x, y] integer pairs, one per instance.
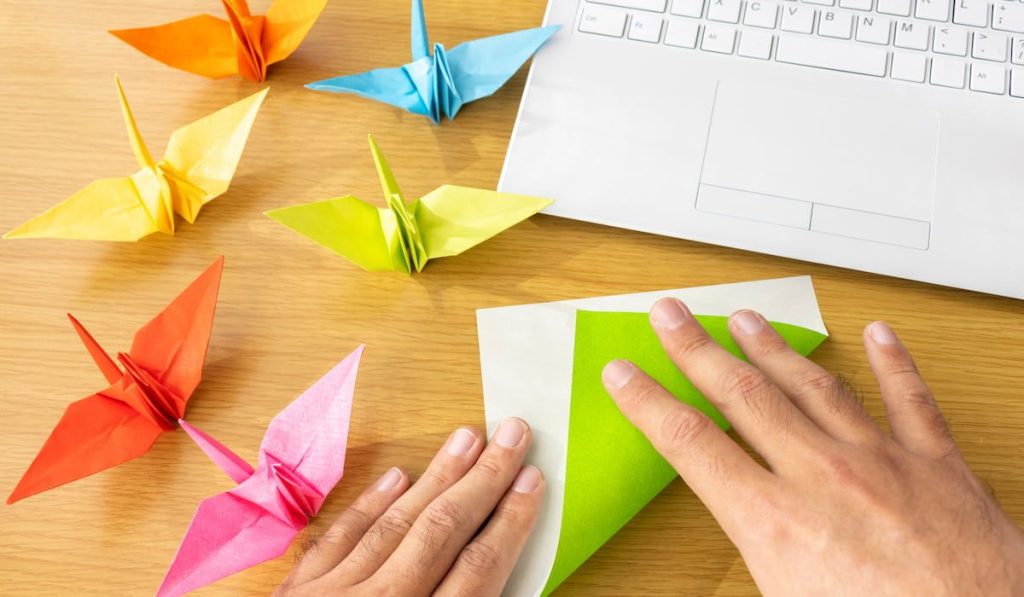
{"points": [[777, 154]]}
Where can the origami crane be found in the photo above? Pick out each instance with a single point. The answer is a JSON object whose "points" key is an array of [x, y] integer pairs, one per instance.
{"points": [[403, 236], [147, 396], [440, 83], [301, 459], [198, 166], [244, 44]]}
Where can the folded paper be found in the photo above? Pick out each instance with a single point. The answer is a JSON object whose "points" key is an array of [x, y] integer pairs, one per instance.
{"points": [[543, 363], [197, 167], [301, 459], [406, 234], [150, 386], [438, 84], [612, 471], [244, 44]]}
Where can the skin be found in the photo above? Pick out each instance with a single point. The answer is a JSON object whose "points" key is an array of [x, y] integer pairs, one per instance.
{"points": [[457, 531], [840, 508]]}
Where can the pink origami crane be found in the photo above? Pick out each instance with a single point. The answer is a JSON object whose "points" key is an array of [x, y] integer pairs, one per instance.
{"points": [[301, 459]]}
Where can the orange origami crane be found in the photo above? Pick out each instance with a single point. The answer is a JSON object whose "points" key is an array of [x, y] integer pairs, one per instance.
{"points": [[244, 44], [148, 393]]}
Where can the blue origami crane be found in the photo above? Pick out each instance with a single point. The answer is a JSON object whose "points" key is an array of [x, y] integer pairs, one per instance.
{"points": [[440, 83]]}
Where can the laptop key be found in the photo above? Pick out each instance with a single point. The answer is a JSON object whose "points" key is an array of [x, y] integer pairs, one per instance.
{"points": [[988, 78], [950, 40], [973, 13], [947, 73], [933, 10], [688, 8], [909, 67], [652, 5], [835, 24], [873, 30], [755, 44], [1008, 16], [989, 46], [798, 19], [718, 38], [1017, 83], [862, 59], [682, 33], [899, 8], [726, 11], [603, 21], [645, 27], [761, 14], [913, 36]]}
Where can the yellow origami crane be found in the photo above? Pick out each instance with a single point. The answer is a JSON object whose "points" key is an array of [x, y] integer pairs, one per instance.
{"points": [[198, 165], [406, 234], [244, 44]]}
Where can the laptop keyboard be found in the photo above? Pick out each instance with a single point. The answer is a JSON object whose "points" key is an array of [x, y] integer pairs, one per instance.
{"points": [[975, 45]]}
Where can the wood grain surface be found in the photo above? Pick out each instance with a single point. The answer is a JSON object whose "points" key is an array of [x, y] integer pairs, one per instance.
{"points": [[289, 309]]}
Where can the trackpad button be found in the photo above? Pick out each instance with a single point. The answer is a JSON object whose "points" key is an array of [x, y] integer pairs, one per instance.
{"points": [[871, 226], [753, 206]]}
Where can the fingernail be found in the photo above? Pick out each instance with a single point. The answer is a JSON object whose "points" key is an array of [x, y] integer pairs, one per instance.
{"points": [[510, 433], [669, 314], [389, 480], [748, 322], [461, 441], [527, 480], [617, 374], [880, 332]]}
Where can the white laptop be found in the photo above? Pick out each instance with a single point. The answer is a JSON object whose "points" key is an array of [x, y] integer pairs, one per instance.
{"points": [[880, 135]]}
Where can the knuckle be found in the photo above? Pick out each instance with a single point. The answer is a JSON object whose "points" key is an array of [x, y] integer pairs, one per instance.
{"points": [[479, 559], [836, 392], [683, 427], [816, 381], [745, 383], [511, 515], [685, 345], [491, 468], [310, 545], [773, 346], [394, 522], [840, 472], [901, 367], [349, 529], [436, 476], [644, 395], [445, 517]]}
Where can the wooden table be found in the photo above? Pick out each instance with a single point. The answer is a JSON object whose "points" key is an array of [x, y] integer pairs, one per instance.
{"points": [[289, 310]]}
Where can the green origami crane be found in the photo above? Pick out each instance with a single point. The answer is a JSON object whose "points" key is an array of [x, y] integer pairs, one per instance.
{"points": [[406, 234]]}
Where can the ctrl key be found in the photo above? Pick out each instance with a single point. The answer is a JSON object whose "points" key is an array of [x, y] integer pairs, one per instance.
{"points": [[603, 21], [1017, 82]]}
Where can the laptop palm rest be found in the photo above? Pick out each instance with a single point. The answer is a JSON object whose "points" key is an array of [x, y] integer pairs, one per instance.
{"points": [[772, 155]]}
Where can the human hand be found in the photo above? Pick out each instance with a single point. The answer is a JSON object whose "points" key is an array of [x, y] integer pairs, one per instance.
{"points": [[843, 508], [427, 539]]}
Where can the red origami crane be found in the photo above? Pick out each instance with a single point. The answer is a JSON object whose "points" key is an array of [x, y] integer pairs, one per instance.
{"points": [[150, 386]]}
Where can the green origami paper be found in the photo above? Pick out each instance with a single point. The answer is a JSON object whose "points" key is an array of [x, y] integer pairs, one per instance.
{"points": [[612, 471]]}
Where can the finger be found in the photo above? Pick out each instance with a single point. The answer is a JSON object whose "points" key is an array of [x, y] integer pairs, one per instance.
{"points": [[826, 399], [454, 459], [486, 564], [325, 552], [448, 523], [914, 417], [756, 407], [710, 462]]}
